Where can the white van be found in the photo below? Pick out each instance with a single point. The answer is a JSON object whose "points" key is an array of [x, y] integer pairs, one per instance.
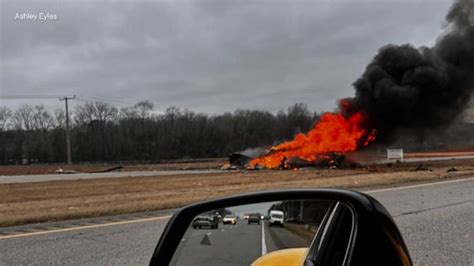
{"points": [[276, 218]]}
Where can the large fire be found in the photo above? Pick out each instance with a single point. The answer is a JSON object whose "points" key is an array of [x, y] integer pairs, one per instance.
{"points": [[334, 132]]}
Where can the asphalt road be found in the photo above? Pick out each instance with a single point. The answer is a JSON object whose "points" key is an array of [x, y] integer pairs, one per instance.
{"points": [[56, 177], [239, 244], [77, 176], [428, 159], [435, 220]]}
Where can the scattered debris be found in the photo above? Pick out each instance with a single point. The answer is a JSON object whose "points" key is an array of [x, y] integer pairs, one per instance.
{"points": [[350, 164], [239, 160], [329, 160], [257, 167], [452, 169], [228, 166], [421, 167], [61, 171], [295, 162], [109, 169]]}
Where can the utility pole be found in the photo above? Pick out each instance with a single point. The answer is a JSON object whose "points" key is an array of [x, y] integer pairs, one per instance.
{"points": [[68, 142]]}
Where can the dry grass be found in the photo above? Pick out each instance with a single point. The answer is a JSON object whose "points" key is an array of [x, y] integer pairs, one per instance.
{"points": [[38, 202]]}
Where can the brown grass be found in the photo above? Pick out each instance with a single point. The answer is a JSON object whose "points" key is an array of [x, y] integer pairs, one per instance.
{"points": [[46, 201]]}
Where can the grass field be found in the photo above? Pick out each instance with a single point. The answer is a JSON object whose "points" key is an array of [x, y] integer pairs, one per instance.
{"points": [[46, 201]]}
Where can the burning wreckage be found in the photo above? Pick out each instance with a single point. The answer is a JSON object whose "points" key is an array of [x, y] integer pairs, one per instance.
{"points": [[402, 88], [327, 160], [324, 146]]}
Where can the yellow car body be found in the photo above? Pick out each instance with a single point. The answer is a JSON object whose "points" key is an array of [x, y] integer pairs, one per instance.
{"points": [[284, 257]]}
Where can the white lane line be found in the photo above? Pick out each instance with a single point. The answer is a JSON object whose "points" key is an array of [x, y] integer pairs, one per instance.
{"points": [[264, 244], [85, 227], [419, 185]]}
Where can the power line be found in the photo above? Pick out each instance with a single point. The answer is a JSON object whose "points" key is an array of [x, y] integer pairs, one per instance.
{"points": [[15, 97], [81, 98], [102, 99]]}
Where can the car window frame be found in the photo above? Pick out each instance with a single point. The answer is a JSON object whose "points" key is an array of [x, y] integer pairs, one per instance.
{"points": [[320, 240]]}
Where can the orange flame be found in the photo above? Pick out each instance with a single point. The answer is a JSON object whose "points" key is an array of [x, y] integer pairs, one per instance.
{"points": [[333, 133]]}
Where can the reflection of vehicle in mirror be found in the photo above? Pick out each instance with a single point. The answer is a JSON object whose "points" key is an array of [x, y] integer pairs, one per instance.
{"points": [[206, 220], [229, 219], [254, 218], [275, 218], [322, 227]]}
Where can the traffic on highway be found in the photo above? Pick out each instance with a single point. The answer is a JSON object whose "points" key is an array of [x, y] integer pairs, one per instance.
{"points": [[255, 230], [316, 227]]}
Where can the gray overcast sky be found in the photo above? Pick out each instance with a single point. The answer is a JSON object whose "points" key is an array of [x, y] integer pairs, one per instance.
{"points": [[208, 56]]}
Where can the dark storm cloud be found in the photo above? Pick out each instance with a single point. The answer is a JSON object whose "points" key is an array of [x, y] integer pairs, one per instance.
{"points": [[209, 56], [421, 88]]}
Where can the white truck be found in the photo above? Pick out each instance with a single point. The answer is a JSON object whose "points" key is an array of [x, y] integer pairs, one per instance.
{"points": [[275, 218]]}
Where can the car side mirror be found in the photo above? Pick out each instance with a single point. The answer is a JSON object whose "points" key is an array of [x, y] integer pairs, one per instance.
{"points": [[299, 227]]}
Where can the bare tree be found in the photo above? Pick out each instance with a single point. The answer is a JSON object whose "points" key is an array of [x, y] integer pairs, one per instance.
{"points": [[23, 118], [143, 109], [42, 119], [128, 113], [98, 134], [5, 116], [105, 112], [60, 118], [95, 111]]}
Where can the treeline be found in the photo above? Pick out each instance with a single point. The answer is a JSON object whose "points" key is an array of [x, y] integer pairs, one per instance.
{"points": [[100, 132]]}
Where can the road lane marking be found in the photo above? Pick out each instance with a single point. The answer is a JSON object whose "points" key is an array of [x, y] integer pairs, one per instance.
{"points": [[419, 185], [264, 244], [85, 227]]}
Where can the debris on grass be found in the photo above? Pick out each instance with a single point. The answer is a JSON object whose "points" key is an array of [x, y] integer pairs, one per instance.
{"points": [[421, 167], [452, 169]]}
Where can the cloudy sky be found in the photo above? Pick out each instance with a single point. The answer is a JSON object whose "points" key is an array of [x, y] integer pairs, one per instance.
{"points": [[208, 56]]}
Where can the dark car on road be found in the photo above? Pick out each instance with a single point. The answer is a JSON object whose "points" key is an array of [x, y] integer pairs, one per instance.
{"points": [[210, 221], [254, 218]]}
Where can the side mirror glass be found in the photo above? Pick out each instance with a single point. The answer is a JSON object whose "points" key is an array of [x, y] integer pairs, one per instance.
{"points": [[248, 233], [288, 227]]}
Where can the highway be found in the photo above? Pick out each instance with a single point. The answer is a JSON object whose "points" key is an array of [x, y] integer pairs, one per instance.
{"points": [[8, 179], [226, 245], [435, 220]]}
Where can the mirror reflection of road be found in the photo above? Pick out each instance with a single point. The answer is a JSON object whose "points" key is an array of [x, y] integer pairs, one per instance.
{"points": [[239, 244]]}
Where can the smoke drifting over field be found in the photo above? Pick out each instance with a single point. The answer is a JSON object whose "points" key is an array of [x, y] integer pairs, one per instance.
{"points": [[420, 88]]}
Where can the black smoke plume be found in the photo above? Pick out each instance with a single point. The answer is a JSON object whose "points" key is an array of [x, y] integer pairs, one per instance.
{"points": [[421, 88]]}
